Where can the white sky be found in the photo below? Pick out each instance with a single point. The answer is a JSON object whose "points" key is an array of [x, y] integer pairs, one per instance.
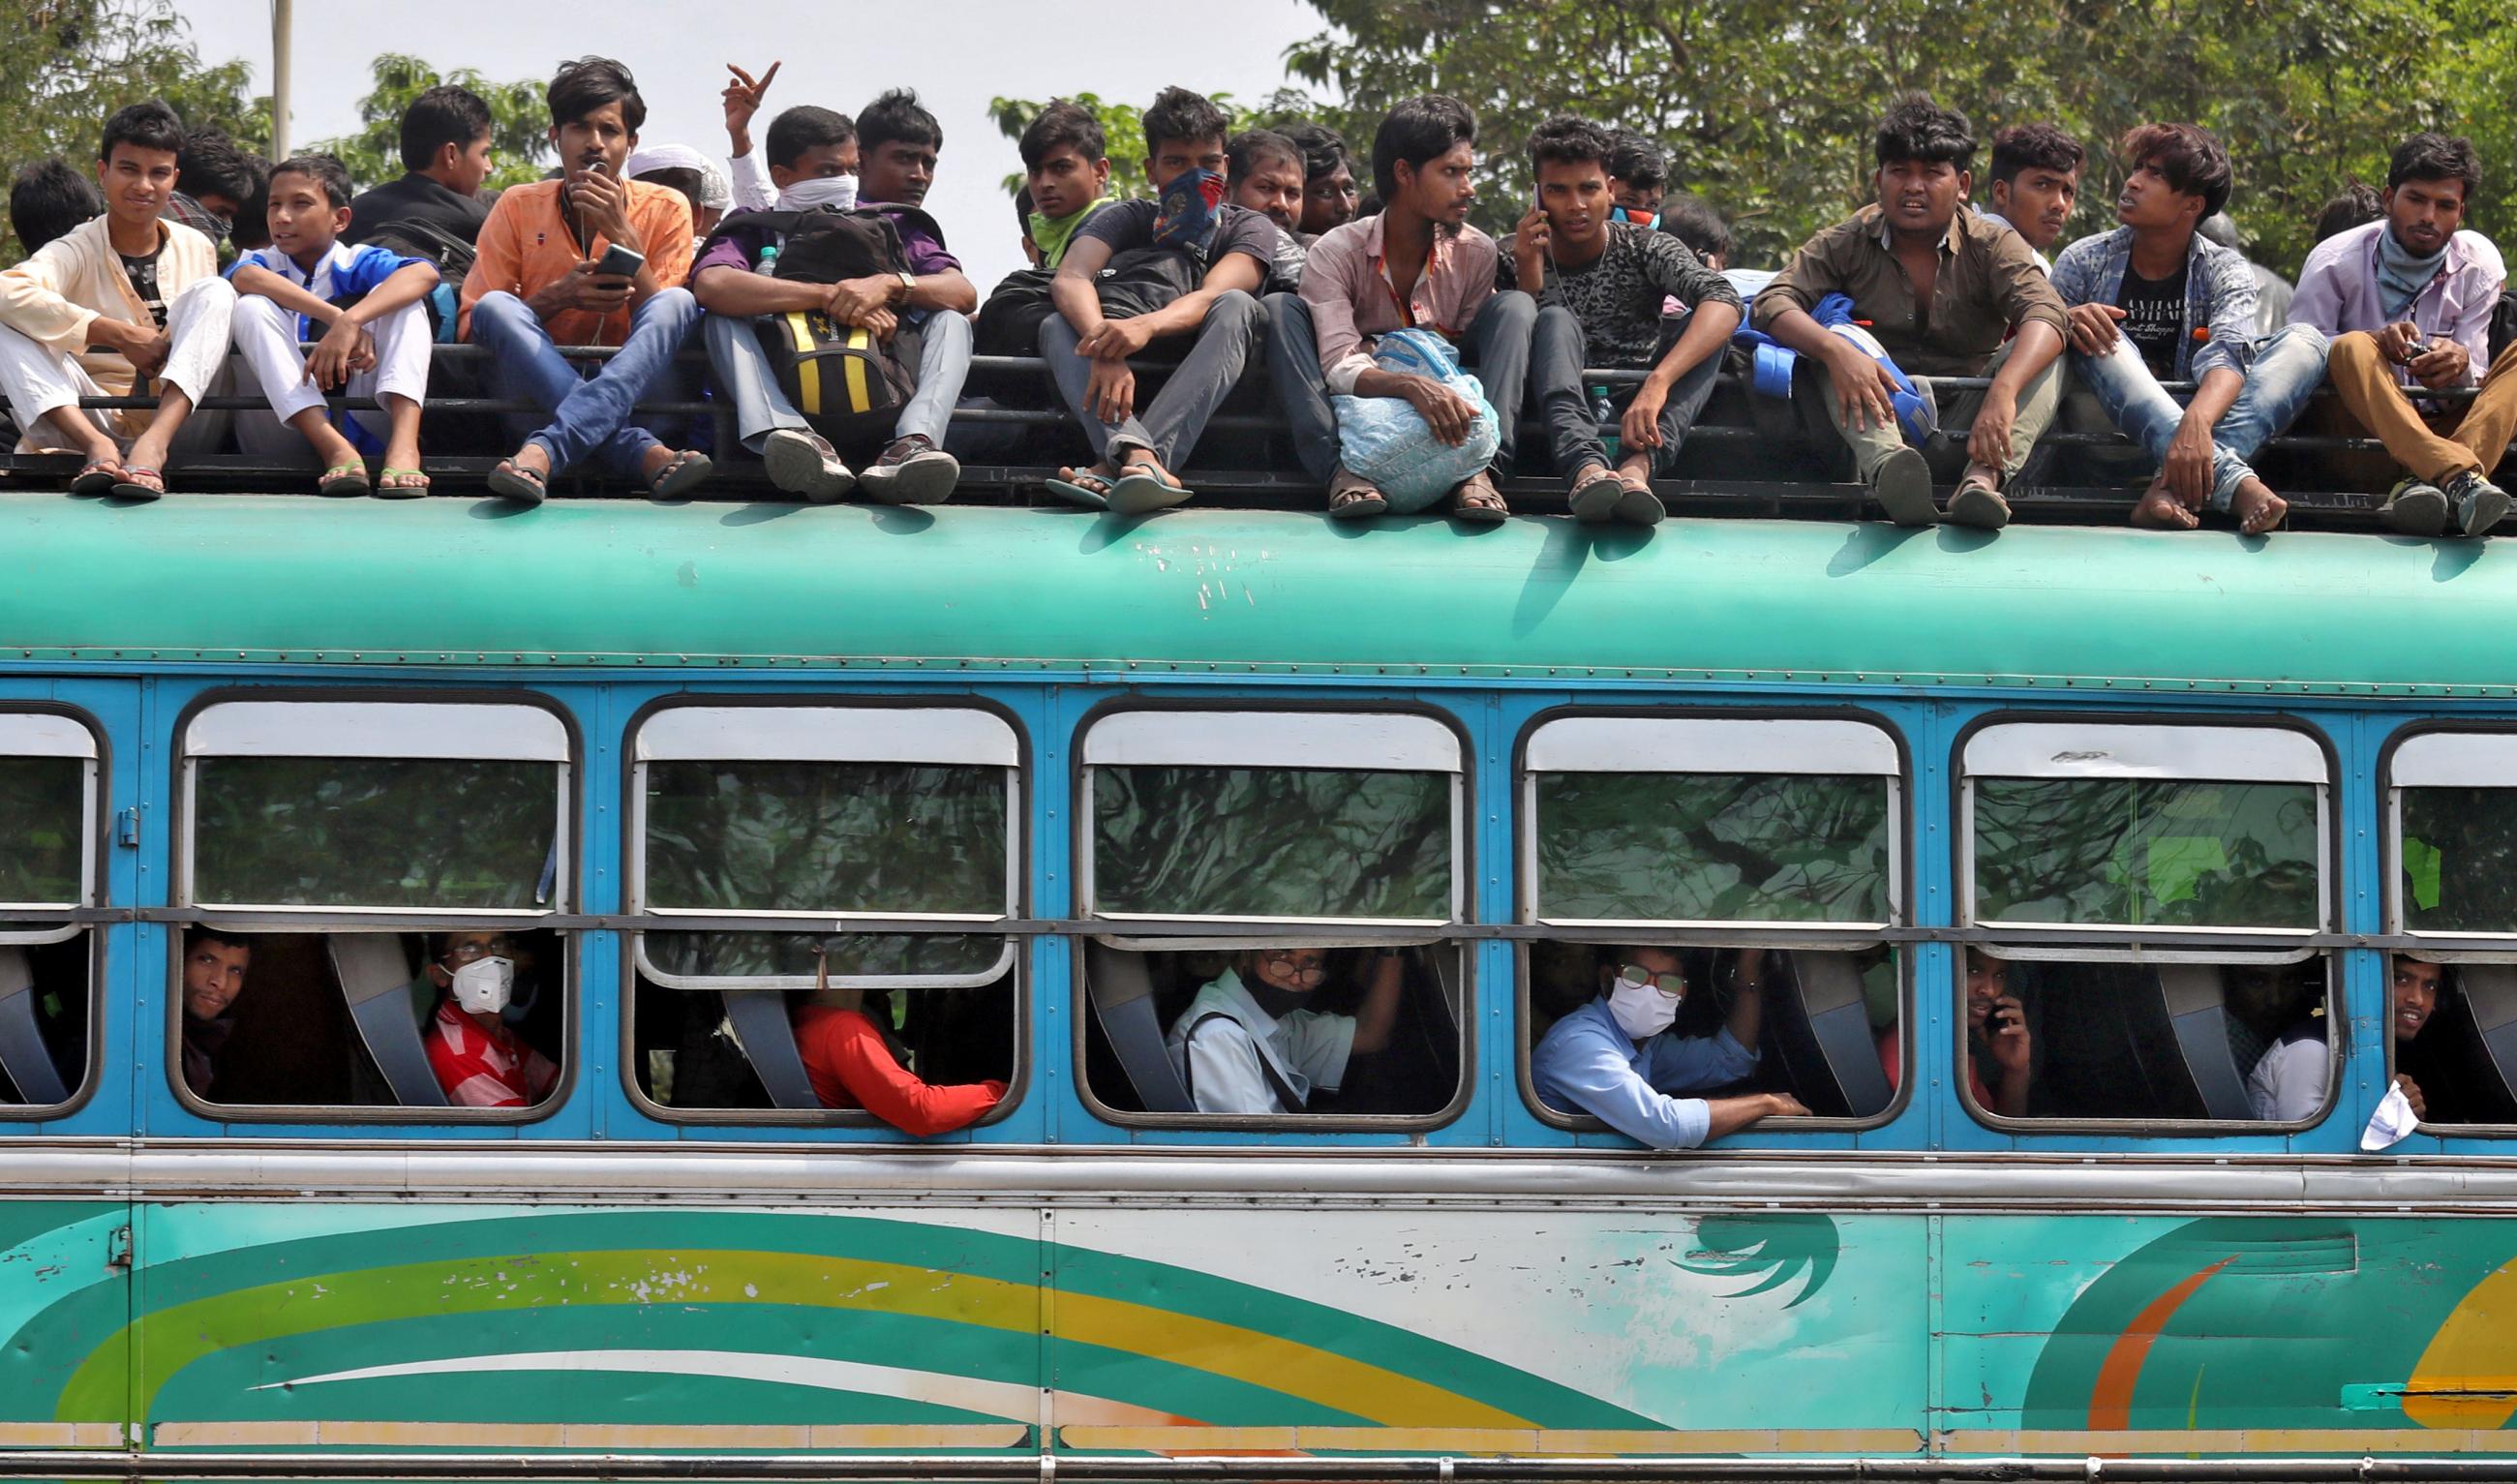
{"points": [[958, 53]]}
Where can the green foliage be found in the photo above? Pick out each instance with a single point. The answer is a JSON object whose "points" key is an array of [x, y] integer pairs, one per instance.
{"points": [[1272, 842], [518, 123], [39, 818], [2460, 860], [294, 832], [1766, 106], [2145, 851], [1707, 847], [1124, 126]]}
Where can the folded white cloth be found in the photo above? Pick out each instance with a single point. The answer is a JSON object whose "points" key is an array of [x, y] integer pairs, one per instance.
{"points": [[2392, 1121]]}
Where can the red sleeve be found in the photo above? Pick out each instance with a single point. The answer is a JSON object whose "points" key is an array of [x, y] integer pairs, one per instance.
{"points": [[844, 1047]]}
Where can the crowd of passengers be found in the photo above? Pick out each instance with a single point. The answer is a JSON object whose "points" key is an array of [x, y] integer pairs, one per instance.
{"points": [[1402, 344], [1256, 1042]]}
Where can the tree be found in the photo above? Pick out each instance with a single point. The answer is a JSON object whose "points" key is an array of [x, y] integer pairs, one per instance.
{"points": [[1124, 126], [1766, 106], [518, 123]]}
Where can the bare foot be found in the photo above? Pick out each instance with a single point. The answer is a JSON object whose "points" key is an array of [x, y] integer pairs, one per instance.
{"points": [[1635, 472], [2160, 510], [2256, 507], [333, 450]]}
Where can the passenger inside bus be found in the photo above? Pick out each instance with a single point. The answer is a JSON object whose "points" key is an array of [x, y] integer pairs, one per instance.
{"points": [[2000, 1048], [1617, 1059], [2412, 997], [855, 1061], [479, 1060], [1253, 1042], [215, 963], [2277, 1037]]}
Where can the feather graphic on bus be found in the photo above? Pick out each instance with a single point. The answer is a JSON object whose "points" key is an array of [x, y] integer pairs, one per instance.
{"points": [[1782, 1247]]}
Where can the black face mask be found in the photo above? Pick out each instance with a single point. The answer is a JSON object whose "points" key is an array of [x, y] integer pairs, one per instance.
{"points": [[1268, 997]]}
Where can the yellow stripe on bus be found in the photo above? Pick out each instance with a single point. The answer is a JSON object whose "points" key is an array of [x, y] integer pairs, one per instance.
{"points": [[475, 1436]]}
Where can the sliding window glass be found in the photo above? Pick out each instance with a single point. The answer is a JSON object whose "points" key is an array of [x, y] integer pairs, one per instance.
{"points": [[48, 812], [2450, 1009]]}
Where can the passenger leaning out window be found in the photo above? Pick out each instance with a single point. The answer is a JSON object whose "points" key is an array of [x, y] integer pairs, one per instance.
{"points": [[854, 1061], [214, 970], [2412, 999], [1617, 1059], [480, 1062], [1251, 1043]]}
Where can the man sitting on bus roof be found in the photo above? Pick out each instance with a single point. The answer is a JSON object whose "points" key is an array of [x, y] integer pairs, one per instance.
{"points": [[479, 1062], [2035, 178], [1944, 291], [2406, 301], [1616, 1060], [214, 969]]}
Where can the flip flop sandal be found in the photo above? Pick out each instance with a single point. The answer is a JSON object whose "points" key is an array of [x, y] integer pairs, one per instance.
{"points": [[412, 486], [343, 480], [1356, 505], [1638, 505], [685, 470], [100, 477], [515, 482], [1141, 494], [140, 484], [1483, 507], [1595, 499], [1980, 505], [1089, 489]]}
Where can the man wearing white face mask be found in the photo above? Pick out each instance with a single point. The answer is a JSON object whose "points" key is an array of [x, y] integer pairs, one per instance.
{"points": [[1614, 1060], [479, 1062]]}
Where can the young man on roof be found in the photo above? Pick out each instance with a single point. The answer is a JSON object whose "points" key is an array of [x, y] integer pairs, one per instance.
{"points": [[2154, 301], [1946, 292], [1600, 285], [1415, 263], [2036, 179], [538, 284], [898, 142], [1227, 248], [1066, 168], [1264, 173], [1328, 178], [444, 159], [2406, 301]]}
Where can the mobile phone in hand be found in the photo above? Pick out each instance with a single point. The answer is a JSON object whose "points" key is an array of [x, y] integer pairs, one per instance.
{"points": [[619, 262]]}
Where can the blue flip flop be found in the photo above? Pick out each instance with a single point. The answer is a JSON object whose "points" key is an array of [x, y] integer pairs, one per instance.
{"points": [[1089, 489], [1140, 493]]}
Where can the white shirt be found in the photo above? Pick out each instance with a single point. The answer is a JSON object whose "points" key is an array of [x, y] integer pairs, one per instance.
{"points": [[2288, 1082], [1225, 1065]]}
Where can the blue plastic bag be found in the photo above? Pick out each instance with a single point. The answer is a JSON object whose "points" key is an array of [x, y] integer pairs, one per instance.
{"points": [[1386, 440]]}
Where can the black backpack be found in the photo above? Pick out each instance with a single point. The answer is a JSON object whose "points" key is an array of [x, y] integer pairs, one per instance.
{"points": [[418, 237], [849, 385], [1134, 282], [2503, 323]]}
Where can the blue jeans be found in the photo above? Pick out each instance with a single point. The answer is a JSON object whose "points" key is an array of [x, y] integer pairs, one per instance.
{"points": [[588, 415], [760, 404], [2287, 368]]}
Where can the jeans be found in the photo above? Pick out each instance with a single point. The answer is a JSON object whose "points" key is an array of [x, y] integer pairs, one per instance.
{"points": [[1557, 352], [1496, 347], [588, 415], [1171, 422], [2286, 368], [760, 404]]}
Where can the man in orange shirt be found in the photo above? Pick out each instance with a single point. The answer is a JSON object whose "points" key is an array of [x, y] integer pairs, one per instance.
{"points": [[536, 286]]}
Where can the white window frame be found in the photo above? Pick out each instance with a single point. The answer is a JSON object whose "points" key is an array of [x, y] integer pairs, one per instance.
{"points": [[2259, 753], [1336, 742], [2444, 760], [810, 733], [1730, 747], [395, 731], [51, 735]]}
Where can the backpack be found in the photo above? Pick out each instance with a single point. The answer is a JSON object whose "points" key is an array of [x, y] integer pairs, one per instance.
{"points": [[848, 384], [416, 237], [1134, 282], [2503, 323]]}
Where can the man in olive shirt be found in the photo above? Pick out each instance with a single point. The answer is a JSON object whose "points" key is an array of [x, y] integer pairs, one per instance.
{"points": [[1940, 286]]}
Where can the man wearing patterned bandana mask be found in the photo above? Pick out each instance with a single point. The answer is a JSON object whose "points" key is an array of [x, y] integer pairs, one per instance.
{"points": [[1616, 1059], [479, 1062]]}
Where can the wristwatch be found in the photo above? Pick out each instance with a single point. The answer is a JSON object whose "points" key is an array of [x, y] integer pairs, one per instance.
{"points": [[907, 286]]}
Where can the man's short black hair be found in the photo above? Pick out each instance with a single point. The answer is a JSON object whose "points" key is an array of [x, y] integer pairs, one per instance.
{"points": [[151, 125], [1323, 149], [2436, 157], [326, 171], [1915, 128], [1637, 161], [1692, 220], [588, 83], [2187, 156], [897, 118], [1024, 206], [211, 164], [48, 199], [2035, 147], [1064, 124], [1251, 149], [1191, 118], [1565, 139], [2356, 206], [807, 127], [202, 932], [448, 113], [1420, 128]]}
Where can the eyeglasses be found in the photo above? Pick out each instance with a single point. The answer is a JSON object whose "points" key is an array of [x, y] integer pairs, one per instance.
{"points": [[1637, 976], [467, 952], [1286, 960]]}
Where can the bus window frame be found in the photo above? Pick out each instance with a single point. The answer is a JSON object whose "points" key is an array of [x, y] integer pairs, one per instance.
{"points": [[2446, 950], [1014, 963], [1786, 937], [2107, 942], [1173, 933], [95, 888], [323, 921]]}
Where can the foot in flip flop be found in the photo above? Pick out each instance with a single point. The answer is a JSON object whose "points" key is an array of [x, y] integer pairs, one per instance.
{"points": [[393, 482], [1087, 488], [1477, 500], [2258, 510], [139, 482], [525, 477], [1594, 493], [2162, 510], [349, 478], [98, 477], [1144, 486], [675, 473], [1977, 502], [1637, 503]]}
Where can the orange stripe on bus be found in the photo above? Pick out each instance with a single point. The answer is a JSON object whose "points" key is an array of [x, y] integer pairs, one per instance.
{"points": [[2110, 1399]]}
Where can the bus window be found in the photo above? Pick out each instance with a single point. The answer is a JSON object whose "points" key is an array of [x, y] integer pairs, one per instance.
{"points": [[2137, 899], [814, 815], [1668, 848], [1276, 886], [48, 811], [365, 878], [2452, 818]]}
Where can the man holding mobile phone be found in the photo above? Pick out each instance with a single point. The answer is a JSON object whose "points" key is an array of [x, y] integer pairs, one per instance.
{"points": [[588, 258]]}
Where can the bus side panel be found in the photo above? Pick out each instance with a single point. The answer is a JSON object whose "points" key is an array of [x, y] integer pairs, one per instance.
{"points": [[65, 1303], [2108, 1334], [1484, 1330], [466, 1327]]}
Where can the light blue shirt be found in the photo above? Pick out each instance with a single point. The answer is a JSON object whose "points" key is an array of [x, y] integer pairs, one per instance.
{"points": [[1586, 1063]]}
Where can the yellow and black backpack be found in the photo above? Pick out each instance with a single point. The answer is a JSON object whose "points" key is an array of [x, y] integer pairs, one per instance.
{"points": [[848, 384]]}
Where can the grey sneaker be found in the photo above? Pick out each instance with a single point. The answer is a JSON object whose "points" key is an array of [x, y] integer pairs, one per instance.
{"points": [[2414, 507], [913, 471], [804, 463], [1903, 485], [2479, 503]]}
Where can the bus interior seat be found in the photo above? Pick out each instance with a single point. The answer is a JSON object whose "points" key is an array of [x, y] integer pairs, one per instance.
{"points": [[22, 1052], [2111, 1045], [2198, 1012], [768, 1036], [2489, 1062], [1820, 1031], [376, 983], [1121, 990]]}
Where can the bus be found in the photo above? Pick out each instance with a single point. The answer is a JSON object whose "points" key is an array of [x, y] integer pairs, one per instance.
{"points": [[1022, 779]]}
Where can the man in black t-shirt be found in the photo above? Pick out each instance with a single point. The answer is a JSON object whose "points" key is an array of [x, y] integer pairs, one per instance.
{"points": [[1215, 253], [446, 150]]}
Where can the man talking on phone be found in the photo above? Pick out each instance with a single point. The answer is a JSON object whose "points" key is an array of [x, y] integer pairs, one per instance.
{"points": [[589, 258]]}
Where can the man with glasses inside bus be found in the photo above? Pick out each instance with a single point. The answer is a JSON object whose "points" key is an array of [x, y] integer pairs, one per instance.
{"points": [[479, 1062], [1616, 1059], [1249, 1043]]}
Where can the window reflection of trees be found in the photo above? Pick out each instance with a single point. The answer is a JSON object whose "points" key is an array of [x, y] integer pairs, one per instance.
{"points": [[372, 832], [2146, 852], [1276, 842], [39, 818], [2459, 859], [1700, 847]]}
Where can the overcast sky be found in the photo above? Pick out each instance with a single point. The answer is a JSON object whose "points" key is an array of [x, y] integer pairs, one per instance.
{"points": [[956, 53]]}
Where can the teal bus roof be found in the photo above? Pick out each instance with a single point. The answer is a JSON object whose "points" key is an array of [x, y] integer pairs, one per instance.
{"points": [[236, 579]]}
